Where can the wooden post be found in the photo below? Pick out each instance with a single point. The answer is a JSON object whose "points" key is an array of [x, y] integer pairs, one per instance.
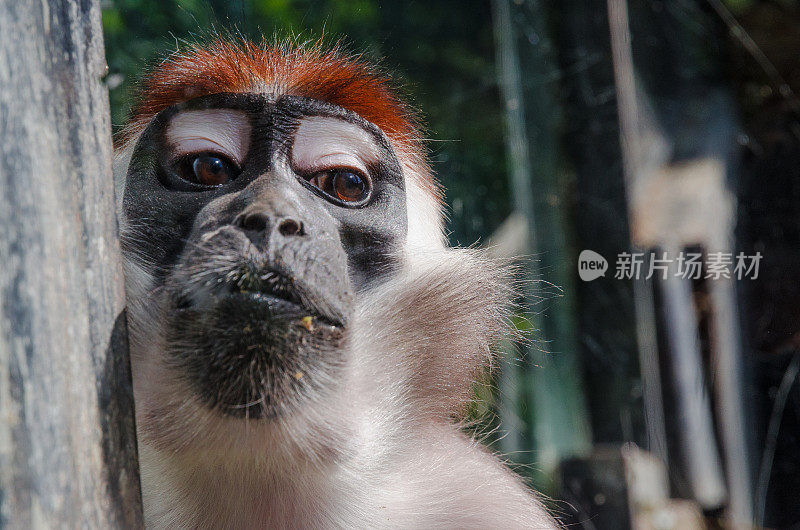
{"points": [[678, 128], [67, 437]]}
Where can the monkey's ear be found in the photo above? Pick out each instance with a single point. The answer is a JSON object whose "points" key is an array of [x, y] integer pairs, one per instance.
{"points": [[446, 314]]}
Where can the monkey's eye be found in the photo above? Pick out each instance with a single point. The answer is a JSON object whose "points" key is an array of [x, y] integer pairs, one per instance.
{"points": [[346, 184], [208, 169]]}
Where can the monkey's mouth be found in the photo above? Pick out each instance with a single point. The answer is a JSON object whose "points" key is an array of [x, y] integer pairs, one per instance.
{"points": [[254, 343], [265, 285], [277, 295]]}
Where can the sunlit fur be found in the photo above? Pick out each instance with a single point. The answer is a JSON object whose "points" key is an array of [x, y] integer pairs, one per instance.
{"points": [[380, 447]]}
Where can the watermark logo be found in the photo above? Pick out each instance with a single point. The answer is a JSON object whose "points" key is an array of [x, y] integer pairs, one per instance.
{"points": [[686, 265], [591, 265]]}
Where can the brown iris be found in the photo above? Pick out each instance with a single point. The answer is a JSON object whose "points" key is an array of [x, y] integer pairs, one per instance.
{"points": [[347, 185], [208, 169]]}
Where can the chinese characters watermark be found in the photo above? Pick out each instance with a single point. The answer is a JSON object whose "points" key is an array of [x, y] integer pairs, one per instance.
{"points": [[686, 265]]}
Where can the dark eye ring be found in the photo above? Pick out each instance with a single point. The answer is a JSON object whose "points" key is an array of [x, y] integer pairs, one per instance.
{"points": [[207, 169], [348, 185]]}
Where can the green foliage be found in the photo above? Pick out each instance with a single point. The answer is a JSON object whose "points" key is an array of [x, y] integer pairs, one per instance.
{"points": [[441, 53], [738, 5]]}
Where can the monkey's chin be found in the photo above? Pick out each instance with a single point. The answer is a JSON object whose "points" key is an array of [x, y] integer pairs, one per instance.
{"points": [[253, 355]]}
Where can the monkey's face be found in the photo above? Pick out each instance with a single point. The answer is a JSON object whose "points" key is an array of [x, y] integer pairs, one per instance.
{"points": [[255, 222]]}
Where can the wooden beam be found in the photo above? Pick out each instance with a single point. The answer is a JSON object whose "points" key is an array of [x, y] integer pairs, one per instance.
{"points": [[67, 437]]}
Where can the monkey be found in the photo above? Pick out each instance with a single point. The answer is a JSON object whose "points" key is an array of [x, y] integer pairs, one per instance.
{"points": [[303, 342]]}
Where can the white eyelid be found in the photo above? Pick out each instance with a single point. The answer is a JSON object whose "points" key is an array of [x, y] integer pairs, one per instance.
{"points": [[336, 160], [323, 143], [224, 131]]}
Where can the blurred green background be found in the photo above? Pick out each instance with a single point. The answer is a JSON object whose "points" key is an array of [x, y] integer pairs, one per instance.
{"points": [[721, 79], [441, 54]]}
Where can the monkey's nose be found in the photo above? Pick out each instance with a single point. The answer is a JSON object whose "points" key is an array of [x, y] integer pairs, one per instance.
{"points": [[262, 222]]}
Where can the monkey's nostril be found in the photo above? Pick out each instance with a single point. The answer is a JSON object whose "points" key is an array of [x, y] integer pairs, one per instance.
{"points": [[290, 227], [261, 222], [254, 222]]}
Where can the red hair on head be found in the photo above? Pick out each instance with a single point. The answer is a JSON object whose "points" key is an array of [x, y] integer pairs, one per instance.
{"points": [[284, 68]]}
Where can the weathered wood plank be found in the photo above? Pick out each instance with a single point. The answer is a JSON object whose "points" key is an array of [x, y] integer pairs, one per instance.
{"points": [[678, 128], [67, 440]]}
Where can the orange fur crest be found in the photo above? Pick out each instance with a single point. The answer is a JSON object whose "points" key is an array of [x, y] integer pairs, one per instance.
{"points": [[284, 68]]}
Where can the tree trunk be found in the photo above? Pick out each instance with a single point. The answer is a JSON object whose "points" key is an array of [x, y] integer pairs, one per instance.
{"points": [[67, 437]]}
